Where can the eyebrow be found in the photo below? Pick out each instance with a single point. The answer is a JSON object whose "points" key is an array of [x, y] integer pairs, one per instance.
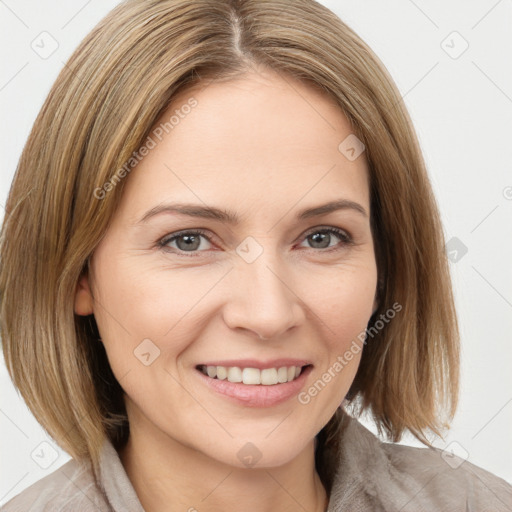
{"points": [[227, 216]]}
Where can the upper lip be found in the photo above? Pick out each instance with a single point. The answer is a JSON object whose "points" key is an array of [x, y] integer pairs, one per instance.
{"points": [[261, 365]]}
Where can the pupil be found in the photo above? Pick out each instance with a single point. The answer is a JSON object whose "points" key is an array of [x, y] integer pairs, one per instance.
{"points": [[189, 242], [324, 237]]}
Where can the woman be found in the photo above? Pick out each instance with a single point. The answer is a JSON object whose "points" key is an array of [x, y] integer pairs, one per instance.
{"points": [[228, 240]]}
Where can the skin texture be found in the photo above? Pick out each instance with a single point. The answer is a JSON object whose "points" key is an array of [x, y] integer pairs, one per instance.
{"points": [[264, 147]]}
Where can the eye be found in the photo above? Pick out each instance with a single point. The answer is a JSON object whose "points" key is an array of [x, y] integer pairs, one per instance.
{"points": [[190, 241], [186, 241], [321, 238]]}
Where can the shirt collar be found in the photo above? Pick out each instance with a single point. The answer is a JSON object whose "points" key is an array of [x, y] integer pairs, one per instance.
{"points": [[115, 482]]}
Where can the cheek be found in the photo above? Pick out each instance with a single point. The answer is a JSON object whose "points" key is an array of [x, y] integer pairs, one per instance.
{"points": [[344, 309], [135, 301], [350, 314], [141, 310], [344, 301]]}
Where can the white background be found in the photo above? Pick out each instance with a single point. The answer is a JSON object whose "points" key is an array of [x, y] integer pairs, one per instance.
{"points": [[462, 110]]}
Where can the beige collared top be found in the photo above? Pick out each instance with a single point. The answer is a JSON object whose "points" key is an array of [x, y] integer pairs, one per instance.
{"points": [[369, 475]]}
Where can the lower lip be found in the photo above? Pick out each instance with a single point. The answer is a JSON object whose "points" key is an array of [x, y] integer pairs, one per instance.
{"points": [[256, 395]]}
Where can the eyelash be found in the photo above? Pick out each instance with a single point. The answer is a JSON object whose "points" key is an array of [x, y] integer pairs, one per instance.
{"points": [[346, 240]]}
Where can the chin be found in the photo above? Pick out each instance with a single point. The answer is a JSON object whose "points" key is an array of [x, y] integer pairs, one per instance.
{"points": [[258, 453]]}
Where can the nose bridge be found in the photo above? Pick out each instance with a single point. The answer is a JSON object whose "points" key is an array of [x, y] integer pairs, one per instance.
{"points": [[265, 282], [263, 301]]}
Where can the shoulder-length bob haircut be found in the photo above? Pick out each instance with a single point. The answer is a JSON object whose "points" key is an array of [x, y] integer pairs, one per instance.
{"points": [[102, 108]]}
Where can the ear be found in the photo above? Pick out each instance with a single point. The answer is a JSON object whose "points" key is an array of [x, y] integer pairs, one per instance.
{"points": [[83, 296]]}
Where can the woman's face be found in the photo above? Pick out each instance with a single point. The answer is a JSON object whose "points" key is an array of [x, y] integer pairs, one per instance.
{"points": [[273, 290]]}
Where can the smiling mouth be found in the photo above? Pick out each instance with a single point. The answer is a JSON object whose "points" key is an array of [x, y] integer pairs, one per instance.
{"points": [[253, 376]]}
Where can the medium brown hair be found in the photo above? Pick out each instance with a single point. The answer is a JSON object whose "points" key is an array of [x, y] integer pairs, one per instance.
{"points": [[101, 109]]}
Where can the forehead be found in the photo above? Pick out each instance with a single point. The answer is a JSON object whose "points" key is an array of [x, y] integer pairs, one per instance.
{"points": [[264, 140]]}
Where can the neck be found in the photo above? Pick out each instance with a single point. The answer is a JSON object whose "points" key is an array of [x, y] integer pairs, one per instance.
{"points": [[167, 475]]}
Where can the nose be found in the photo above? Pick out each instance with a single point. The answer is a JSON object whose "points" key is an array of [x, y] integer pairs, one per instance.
{"points": [[263, 299]]}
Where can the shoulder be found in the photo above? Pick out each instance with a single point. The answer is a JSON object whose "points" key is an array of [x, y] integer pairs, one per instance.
{"points": [[444, 481], [397, 477], [71, 487]]}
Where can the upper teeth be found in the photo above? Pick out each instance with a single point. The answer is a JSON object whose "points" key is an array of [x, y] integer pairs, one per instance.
{"points": [[267, 377]]}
